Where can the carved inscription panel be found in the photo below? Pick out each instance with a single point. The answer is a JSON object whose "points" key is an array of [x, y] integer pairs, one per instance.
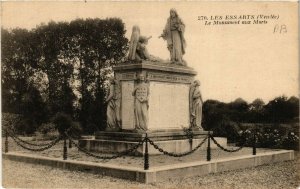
{"points": [[168, 106], [169, 78]]}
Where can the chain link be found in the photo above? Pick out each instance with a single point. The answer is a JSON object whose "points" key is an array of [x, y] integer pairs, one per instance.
{"points": [[174, 154], [28, 143], [225, 149], [189, 133], [118, 155], [37, 149]]}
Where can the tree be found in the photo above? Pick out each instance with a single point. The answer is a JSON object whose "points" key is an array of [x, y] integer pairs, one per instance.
{"points": [[278, 110], [293, 107], [256, 111], [96, 45], [18, 67], [20, 94], [44, 68], [214, 114], [257, 104], [237, 110], [55, 66]]}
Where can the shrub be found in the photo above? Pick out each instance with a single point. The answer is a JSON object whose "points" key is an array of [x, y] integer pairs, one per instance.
{"points": [[64, 122], [227, 129], [246, 137], [25, 127], [270, 139], [75, 130], [291, 141], [9, 121], [46, 131], [45, 128]]}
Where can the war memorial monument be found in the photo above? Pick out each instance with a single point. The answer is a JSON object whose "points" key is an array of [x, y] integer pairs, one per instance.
{"points": [[153, 96], [153, 108]]}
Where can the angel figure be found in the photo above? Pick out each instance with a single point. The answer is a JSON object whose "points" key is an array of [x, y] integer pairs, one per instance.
{"points": [[133, 42], [138, 46]]}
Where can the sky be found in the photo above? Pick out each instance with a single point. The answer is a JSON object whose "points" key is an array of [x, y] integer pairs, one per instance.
{"points": [[248, 61]]}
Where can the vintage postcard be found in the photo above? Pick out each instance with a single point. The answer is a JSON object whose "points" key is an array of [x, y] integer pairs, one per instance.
{"points": [[150, 94]]}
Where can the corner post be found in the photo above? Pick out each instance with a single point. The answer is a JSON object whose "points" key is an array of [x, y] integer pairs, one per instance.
{"points": [[208, 157], [6, 141], [70, 143], [146, 156], [65, 149], [254, 143]]}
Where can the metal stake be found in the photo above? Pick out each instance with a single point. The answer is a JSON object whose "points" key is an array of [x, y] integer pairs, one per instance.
{"points": [[6, 141], [70, 143], [208, 148], [254, 143], [146, 156], [65, 150]]}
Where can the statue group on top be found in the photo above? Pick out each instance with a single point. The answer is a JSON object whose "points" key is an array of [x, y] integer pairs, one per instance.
{"points": [[173, 33]]}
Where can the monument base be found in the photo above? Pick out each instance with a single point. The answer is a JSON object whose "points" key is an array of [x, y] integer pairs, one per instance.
{"points": [[176, 141]]}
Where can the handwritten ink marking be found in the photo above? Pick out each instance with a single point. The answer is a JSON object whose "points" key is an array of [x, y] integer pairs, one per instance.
{"points": [[280, 29]]}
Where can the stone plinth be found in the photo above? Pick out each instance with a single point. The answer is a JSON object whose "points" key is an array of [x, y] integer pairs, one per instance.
{"points": [[169, 94], [175, 141]]}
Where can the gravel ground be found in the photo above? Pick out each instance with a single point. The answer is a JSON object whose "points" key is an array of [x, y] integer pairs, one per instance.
{"points": [[22, 175]]}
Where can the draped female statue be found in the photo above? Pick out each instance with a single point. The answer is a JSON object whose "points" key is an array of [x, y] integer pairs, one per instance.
{"points": [[196, 103], [174, 35], [113, 101]]}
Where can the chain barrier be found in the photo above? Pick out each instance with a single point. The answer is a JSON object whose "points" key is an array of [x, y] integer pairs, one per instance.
{"points": [[225, 149], [118, 155], [37, 149], [174, 154], [32, 144]]}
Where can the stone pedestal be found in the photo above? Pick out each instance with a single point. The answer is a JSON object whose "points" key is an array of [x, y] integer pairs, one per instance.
{"points": [[168, 111], [169, 94]]}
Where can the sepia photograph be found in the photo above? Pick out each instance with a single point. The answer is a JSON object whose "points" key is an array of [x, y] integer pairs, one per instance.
{"points": [[150, 94]]}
